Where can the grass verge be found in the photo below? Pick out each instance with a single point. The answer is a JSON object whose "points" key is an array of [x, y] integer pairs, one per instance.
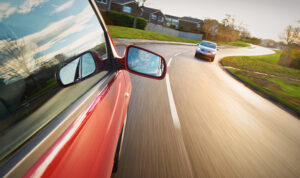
{"points": [[263, 74], [235, 43], [132, 33]]}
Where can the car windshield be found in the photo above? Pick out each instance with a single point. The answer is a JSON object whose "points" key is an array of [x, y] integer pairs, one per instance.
{"points": [[208, 44]]}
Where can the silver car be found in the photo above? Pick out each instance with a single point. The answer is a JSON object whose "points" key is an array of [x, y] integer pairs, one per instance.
{"points": [[207, 50]]}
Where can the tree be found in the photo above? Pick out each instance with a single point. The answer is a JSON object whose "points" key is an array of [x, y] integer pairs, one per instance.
{"points": [[290, 35], [244, 33], [12, 55], [210, 28], [17, 58], [229, 31], [138, 11]]}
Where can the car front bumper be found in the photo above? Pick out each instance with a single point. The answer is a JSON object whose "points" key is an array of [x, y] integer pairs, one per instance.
{"points": [[207, 56]]}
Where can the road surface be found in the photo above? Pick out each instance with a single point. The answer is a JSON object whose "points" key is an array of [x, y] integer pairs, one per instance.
{"points": [[200, 122]]}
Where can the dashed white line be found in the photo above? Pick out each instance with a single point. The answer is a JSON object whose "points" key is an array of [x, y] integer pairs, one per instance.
{"points": [[169, 63], [175, 117]]}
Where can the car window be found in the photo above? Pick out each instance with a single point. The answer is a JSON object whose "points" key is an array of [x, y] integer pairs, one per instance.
{"points": [[35, 39], [208, 44]]}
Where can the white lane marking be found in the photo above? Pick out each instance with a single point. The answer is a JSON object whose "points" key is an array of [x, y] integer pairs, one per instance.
{"points": [[177, 54], [169, 63], [175, 117]]}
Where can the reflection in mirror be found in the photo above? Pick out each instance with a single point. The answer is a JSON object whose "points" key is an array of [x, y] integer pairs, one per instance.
{"points": [[77, 69], [69, 73], [88, 65], [144, 62]]}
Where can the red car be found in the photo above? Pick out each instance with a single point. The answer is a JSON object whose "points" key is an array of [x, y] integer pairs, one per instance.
{"points": [[64, 90]]}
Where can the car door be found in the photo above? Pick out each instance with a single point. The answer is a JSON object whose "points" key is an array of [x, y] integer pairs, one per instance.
{"points": [[47, 130]]}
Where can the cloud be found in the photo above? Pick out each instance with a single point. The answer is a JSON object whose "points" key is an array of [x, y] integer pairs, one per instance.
{"points": [[28, 5], [6, 10], [60, 29], [82, 44], [43, 40], [63, 7]]}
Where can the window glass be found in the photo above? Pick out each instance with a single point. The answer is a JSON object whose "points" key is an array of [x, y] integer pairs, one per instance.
{"points": [[102, 1], [88, 65], [208, 44], [127, 9], [35, 39], [153, 17], [160, 19]]}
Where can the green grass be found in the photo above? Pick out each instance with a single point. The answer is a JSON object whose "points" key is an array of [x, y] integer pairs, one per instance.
{"points": [[239, 44], [265, 64], [50, 83], [132, 33], [283, 91], [290, 88], [235, 43], [278, 86]]}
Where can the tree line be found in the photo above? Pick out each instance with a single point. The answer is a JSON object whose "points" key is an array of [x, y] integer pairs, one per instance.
{"points": [[229, 29], [290, 55]]}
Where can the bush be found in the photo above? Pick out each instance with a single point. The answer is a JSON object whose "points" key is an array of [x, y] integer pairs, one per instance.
{"points": [[122, 19], [290, 57], [141, 23]]}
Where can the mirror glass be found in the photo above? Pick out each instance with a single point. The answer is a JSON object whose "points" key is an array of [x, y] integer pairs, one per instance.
{"points": [[88, 65], [70, 72], [145, 62], [77, 69]]}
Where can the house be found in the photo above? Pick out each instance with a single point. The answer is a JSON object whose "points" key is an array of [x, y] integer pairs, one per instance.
{"points": [[154, 16], [269, 43], [125, 6], [190, 24], [103, 4], [172, 21]]}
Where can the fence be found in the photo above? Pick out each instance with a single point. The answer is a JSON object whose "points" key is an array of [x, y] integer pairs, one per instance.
{"points": [[168, 31]]}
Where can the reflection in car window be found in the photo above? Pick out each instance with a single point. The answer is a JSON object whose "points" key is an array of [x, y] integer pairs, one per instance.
{"points": [[35, 39]]}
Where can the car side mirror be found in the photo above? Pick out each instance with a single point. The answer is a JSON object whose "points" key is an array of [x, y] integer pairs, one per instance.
{"points": [[145, 63], [78, 68]]}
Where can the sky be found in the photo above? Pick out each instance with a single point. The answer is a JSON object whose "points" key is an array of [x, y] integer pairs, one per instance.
{"points": [[265, 19]]}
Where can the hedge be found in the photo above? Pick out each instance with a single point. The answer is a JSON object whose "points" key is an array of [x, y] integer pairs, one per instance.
{"points": [[121, 19], [290, 57]]}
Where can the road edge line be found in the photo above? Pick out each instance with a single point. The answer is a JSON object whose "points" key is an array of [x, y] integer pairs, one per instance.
{"points": [[174, 114]]}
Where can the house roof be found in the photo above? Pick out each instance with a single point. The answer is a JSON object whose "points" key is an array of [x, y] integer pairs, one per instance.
{"points": [[171, 16], [150, 10], [191, 19]]}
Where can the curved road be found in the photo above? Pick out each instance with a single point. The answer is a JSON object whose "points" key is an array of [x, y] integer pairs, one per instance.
{"points": [[200, 122]]}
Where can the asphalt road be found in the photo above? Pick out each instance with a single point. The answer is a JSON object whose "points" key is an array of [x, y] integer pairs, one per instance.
{"points": [[213, 126]]}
